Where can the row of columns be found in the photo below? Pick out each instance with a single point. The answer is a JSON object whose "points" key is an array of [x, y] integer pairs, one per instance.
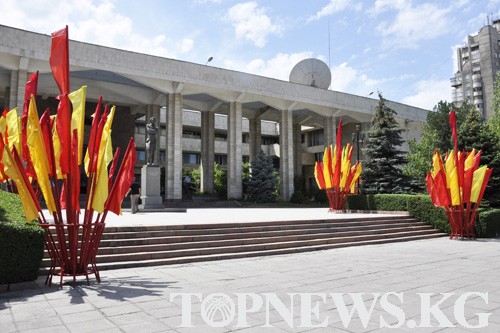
{"points": [[290, 148]]}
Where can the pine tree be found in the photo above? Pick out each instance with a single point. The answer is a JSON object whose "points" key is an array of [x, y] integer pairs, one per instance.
{"points": [[472, 133], [383, 173], [262, 182]]}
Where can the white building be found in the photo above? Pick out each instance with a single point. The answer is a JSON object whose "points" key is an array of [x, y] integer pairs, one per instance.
{"points": [[206, 114]]}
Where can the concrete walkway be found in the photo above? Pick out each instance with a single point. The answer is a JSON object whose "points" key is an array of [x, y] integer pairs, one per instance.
{"points": [[285, 293]]}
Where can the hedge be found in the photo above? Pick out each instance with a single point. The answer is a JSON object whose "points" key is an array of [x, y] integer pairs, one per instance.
{"points": [[422, 208], [21, 242]]}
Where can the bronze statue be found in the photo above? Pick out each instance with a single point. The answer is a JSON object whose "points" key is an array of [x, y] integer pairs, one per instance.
{"points": [[152, 131]]}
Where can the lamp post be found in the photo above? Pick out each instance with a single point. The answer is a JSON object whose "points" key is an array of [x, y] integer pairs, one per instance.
{"points": [[209, 59], [358, 138]]}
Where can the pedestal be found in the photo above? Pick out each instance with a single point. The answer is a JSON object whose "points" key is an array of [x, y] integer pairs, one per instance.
{"points": [[150, 187]]}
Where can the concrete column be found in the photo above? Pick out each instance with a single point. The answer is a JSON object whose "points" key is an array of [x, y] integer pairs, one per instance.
{"points": [[173, 170], [20, 85], [207, 151], [286, 155], [255, 137], [297, 150], [330, 130], [234, 131], [14, 84]]}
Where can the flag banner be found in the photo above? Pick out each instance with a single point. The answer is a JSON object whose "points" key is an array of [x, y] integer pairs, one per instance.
{"points": [[458, 185], [335, 174]]}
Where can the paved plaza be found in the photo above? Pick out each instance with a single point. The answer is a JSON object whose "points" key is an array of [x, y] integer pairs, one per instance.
{"points": [[412, 286]]}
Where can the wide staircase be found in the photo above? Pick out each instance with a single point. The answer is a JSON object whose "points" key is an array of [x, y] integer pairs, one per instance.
{"points": [[134, 246]]}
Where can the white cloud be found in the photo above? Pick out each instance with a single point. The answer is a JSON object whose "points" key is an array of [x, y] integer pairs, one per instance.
{"points": [[334, 6], [349, 80], [88, 21], [412, 24], [278, 67], [251, 22], [429, 93]]}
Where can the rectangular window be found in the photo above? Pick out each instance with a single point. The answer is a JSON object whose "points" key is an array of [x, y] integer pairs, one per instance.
{"points": [[140, 129], [316, 138], [220, 159], [141, 155], [190, 158]]}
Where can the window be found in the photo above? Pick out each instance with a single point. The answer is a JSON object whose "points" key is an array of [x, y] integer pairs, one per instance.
{"points": [[141, 155], [220, 159], [269, 140], [245, 159], [163, 131], [220, 137], [191, 134], [316, 138], [162, 156], [140, 129], [318, 157], [190, 158]]}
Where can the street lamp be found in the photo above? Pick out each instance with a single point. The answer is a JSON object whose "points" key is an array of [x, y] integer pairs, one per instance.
{"points": [[358, 138], [209, 59]]}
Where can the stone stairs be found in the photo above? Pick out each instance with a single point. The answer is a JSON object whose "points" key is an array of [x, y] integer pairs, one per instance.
{"points": [[134, 246]]}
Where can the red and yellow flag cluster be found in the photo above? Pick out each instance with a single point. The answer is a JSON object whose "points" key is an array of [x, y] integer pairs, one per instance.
{"points": [[335, 174], [42, 157], [458, 185], [36, 152]]}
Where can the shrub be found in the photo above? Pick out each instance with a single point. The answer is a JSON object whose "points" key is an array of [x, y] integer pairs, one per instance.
{"points": [[297, 197], [422, 208], [388, 202], [488, 224], [320, 196], [21, 242]]}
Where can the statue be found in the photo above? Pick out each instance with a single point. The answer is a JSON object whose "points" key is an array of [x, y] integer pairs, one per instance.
{"points": [[152, 131]]}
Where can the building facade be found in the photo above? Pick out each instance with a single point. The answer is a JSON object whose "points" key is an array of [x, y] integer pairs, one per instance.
{"points": [[206, 114], [478, 63]]}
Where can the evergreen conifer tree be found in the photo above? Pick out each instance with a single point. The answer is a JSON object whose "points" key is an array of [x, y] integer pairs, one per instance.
{"points": [[382, 173], [262, 182]]}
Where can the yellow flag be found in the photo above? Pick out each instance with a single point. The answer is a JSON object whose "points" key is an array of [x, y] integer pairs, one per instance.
{"points": [[469, 161], [359, 169], [14, 129], [345, 165], [3, 125], [57, 148], [11, 170], [38, 155], [77, 99], [477, 183], [326, 169], [101, 190], [454, 189], [436, 159], [450, 167]]}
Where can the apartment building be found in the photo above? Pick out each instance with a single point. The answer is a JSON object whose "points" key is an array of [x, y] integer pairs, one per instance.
{"points": [[478, 63]]}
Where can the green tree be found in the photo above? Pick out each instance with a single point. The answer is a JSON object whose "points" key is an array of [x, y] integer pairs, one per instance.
{"points": [[436, 134], [262, 182], [383, 171], [220, 181], [472, 133], [494, 120]]}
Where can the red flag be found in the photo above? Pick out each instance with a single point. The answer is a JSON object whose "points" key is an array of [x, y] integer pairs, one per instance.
{"points": [[123, 181], [92, 137], [47, 139], [442, 194], [113, 168], [31, 89], [485, 182], [63, 127], [75, 173], [338, 162], [59, 59]]}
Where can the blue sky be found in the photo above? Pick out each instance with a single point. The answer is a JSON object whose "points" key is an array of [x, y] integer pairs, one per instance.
{"points": [[402, 48]]}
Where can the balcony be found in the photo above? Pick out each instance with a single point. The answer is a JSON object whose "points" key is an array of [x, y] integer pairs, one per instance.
{"points": [[456, 81], [477, 83], [477, 93]]}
